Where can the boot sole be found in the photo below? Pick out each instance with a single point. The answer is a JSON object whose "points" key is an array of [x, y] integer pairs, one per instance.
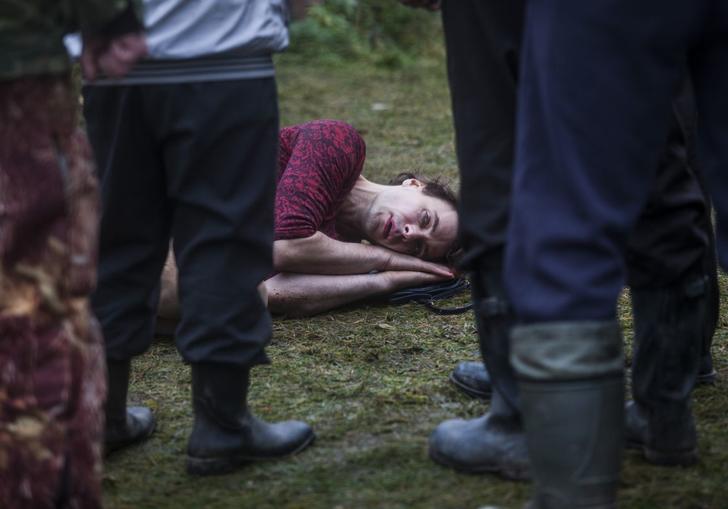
{"points": [[671, 459], [467, 389], [666, 459], [511, 473], [219, 466]]}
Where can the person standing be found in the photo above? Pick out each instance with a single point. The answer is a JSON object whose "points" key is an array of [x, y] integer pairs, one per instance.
{"points": [[597, 80], [186, 146], [52, 382], [672, 249]]}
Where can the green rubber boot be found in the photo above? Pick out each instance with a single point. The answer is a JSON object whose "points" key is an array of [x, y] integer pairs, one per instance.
{"points": [[572, 401]]}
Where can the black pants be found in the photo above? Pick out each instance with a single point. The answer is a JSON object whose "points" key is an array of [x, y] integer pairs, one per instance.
{"points": [[193, 162], [483, 40]]}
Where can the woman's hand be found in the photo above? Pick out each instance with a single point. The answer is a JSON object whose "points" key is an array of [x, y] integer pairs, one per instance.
{"points": [[398, 279], [401, 262]]}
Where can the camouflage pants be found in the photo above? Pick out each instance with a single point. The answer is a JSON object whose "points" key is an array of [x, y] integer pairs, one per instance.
{"points": [[52, 372]]}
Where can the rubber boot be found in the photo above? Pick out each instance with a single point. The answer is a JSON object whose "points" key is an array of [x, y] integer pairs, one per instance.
{"points": [[572, 400], [125, 425], [706, 373], [667, 350], [226, 435], [473, 379], [494, 442]]}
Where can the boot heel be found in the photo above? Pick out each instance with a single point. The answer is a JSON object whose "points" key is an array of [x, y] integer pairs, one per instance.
{"points": [[676, 458]]}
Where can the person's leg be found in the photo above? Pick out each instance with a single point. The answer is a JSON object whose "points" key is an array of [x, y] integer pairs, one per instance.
{"points": [[590, 129], [52, 382], [483, 88], [671, 300], [219, 155], [133, 243], [709, 71], [220, 142], [685, 110]]}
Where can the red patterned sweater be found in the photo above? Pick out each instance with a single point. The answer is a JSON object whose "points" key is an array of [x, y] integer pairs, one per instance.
{"points": [[318, 164]]}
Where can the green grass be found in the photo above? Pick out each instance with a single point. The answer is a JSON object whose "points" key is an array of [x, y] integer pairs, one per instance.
{"points": [[372, 380]]}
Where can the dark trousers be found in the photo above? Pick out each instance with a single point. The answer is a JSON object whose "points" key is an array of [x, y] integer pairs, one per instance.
{"points": [[483, 41], [597, 83], [674, 227], [193, 162]]}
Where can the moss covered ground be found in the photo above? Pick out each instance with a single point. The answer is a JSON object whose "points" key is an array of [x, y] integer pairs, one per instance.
{"points": [[372, 379]]}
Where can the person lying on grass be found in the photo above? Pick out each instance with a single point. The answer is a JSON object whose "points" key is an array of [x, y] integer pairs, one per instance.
{"points": [[339, 237]]}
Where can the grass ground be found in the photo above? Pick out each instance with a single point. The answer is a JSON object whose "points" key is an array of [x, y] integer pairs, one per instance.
{"points": [[372, 380]]}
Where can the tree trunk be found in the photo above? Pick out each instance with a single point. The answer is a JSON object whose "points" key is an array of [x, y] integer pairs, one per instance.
{"points": [[300, 7]]}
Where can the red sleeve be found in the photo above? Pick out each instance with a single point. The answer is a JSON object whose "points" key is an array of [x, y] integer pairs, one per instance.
{"points": [[318, 166]]}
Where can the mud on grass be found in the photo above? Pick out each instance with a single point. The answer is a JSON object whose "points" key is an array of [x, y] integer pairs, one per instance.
{"points": [[372, 380]]}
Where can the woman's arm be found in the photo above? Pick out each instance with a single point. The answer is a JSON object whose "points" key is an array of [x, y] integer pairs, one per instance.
{"points": [[168, 308], [308, 294], [320, 273], [320, 254]]}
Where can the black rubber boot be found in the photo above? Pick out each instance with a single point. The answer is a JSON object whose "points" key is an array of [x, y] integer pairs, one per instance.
{"points": [[495, 442], [706, 373], [125, 426], [667, 350], [473, 379], [572, 400], [226, 434]]}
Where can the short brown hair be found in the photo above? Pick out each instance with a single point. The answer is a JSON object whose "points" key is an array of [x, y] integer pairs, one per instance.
{"points": [[436, 188]]}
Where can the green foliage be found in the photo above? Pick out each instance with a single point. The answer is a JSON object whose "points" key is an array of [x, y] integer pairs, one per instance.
{"points": [[382, 32]]}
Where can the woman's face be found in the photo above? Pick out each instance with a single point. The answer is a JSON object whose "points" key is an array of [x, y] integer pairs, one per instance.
{"points": [[404, 219]]}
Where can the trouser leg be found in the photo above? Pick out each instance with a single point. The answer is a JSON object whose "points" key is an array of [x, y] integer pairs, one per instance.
{"points": [[483, 92], [674, 235], [685, 111], [52, 382], [221, 156], [577, 194], [482, 41], [710, 74], [709, 70], [135, 219], [133, 244], [668, 260], [483, 89]]}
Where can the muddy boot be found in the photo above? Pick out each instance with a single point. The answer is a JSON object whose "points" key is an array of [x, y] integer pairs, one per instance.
{"points": [[472, 378], [667, 347], [495, 442], [706, 373], [572, 401], [125, 426], [226, 434]]}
